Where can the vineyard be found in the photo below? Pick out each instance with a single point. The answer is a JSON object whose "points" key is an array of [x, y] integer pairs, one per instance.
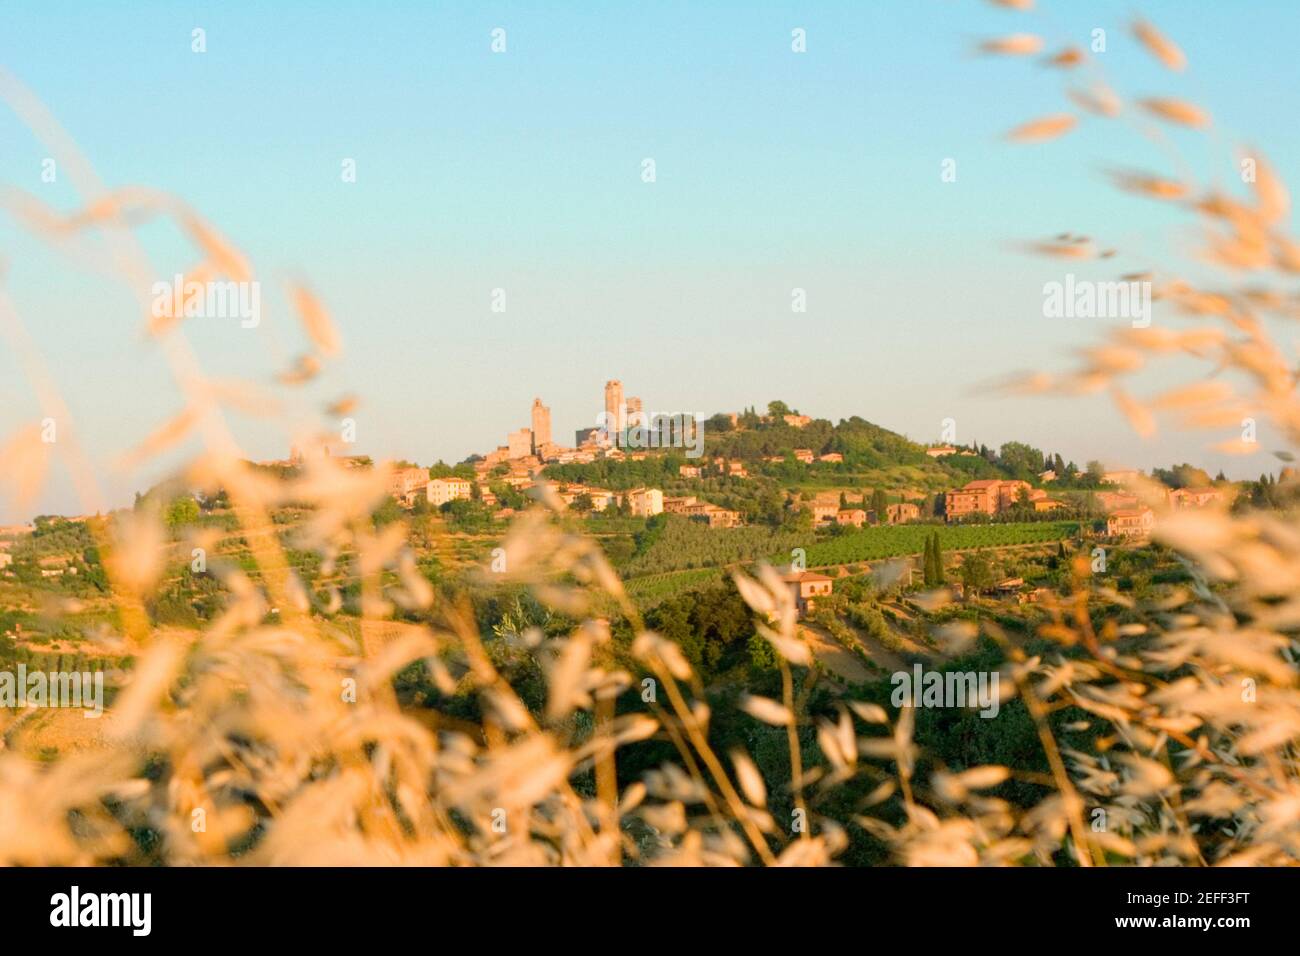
{"points": [[896, 540], [652, 589], [681, 544]]}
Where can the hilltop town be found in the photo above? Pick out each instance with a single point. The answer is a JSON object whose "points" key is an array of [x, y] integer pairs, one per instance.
{"points": [[679, 500], [779, 472], [852, 475]]}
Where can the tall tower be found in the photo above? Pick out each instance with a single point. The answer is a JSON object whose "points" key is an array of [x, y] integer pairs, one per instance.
{"points": [[635, 415], [614, 407], [541, 425]]}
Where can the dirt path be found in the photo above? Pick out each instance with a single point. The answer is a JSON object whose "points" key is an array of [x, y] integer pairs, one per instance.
{"points": [[837, 658]]}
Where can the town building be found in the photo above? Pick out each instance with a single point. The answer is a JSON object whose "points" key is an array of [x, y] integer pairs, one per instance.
{"points": [[804, 455], [614, 408], [601, 498], [797, 421], [541, 420], [833, 457], [443, 490], [499, 456], [403, 481], [851, 516], [1122, 477], [824, 513], [519, 443], [712, 515], [940, 451], [806, 587], [902, 512], [1116, 500], [1130, 523], [1195, 497], [635, 412], [985, 496], [645, 502], [688, 471]]}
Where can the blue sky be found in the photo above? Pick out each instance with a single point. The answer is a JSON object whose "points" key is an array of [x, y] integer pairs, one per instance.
{"points": [[521, 171]]}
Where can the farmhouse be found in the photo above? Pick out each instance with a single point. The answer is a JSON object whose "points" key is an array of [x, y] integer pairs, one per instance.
{"points": [[902, 512], [1195, 497], [1130, 523], [805, 587]]}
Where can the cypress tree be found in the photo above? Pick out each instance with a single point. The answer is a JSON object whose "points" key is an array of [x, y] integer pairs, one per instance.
{"points": [[879, 505]]}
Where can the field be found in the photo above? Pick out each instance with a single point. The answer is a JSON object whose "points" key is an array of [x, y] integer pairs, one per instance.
{"points": [[896, 540], [680, 543], [652, 589]]}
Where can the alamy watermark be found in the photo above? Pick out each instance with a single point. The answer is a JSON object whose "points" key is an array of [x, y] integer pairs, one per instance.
{"points": [[1083, 299], [191, 299], [655, 430], [62, 689], [921, 688], [133, 911]]}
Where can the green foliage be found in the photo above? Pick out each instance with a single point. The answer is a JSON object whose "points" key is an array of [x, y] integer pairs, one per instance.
{"points": [[977, 573], [889, 541], [1182, 476], [654, 589], [387, 512], [674, 542], [463, 514], [762, 655], [712, 626], [443, 470], [184, 510], [1021, 461], [932, 568]]}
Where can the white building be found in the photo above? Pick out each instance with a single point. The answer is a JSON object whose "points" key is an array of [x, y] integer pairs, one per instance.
{"points": [[443, 490], [645, 502]]}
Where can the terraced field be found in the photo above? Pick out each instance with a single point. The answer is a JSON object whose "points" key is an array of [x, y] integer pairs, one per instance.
{"points": [[891, 541]]}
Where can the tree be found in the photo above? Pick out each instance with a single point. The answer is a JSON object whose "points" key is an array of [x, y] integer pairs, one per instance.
{"points": [[720, 422], [1182, 476], [880, 505], [182, 511], [387, 512], [932, 570], [777, 408], [976, 573], [927, 562], [1020, 459]]}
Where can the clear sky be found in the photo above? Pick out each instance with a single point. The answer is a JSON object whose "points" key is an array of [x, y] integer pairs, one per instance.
{"points": [[522, 171]]}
